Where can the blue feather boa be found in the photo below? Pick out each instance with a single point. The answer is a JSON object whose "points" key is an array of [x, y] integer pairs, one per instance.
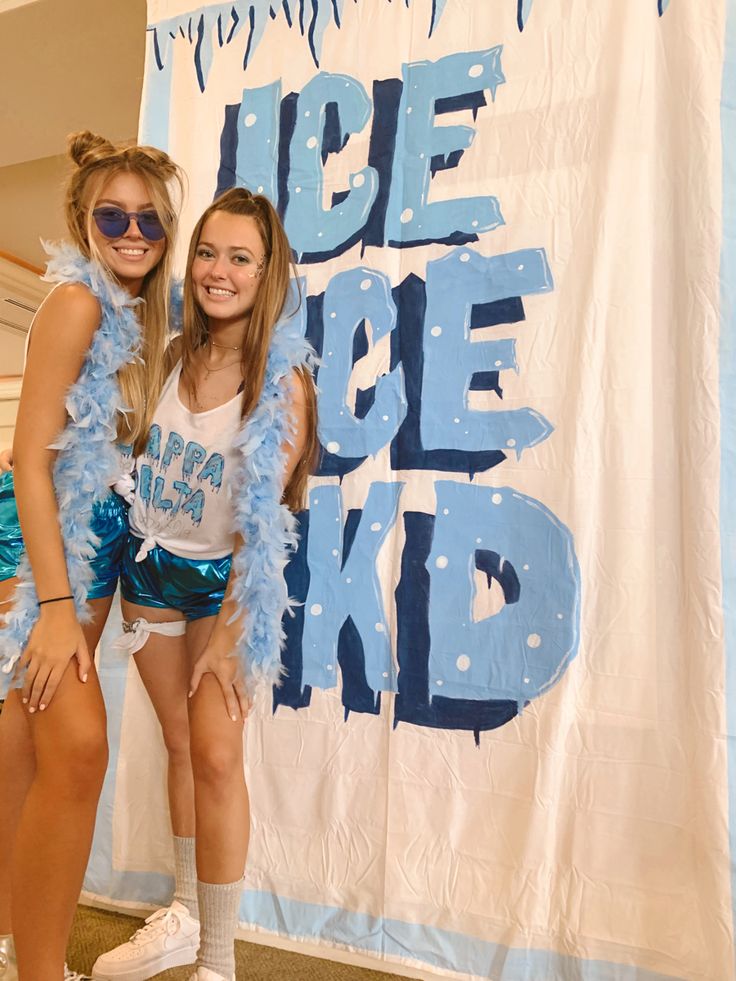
{"points": [[267, 527], [87, 462]]}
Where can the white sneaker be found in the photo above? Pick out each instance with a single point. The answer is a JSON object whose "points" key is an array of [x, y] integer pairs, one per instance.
{"points": [[170, 938], [204, 974], [74, 976], [8, 966]]}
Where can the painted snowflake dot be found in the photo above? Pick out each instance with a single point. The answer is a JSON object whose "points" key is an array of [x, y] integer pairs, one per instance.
{"points": [[463, 662], [533, 641], [441, 561], [315, 609]]}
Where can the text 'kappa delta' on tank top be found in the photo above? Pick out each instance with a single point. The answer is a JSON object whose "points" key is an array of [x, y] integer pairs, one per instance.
{"points": [[183, 501]]}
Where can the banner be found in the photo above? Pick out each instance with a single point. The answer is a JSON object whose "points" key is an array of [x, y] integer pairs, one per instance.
{"points": [[503, 745]]}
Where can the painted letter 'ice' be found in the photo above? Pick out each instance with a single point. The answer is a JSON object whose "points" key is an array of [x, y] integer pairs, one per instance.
{"points": [[451, 82], [451, 360], [311, 228], [350, 298]]}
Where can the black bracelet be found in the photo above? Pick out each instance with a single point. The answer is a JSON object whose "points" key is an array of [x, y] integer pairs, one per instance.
{"points": [[56, 599]]}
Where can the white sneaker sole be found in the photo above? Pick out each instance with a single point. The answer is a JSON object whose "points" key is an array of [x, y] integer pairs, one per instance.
{"points": [[176, 958]]}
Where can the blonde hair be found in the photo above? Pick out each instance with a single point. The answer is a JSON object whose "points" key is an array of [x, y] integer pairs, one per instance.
{"points": [[97, 160], [269, 305]]}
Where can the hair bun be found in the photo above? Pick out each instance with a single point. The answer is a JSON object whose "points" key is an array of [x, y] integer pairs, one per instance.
{"points": [[84, 146]]}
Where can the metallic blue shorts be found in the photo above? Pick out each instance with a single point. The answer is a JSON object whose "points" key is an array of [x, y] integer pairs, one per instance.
{"points": [[109, 523], [195, 587]]}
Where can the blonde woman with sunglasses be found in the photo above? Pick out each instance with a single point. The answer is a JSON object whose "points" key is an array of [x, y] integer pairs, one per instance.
{"points": [[94, 368]]}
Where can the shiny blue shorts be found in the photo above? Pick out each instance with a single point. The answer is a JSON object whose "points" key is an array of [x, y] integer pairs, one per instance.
{"points": [[195, 587], [109, 523]]}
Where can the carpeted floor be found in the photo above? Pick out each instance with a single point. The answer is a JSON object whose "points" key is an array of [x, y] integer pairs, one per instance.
{"points": [[97, 930]]}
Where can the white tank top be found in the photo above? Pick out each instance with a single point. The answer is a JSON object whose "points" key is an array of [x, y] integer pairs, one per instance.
{"points": [[183, 501]]}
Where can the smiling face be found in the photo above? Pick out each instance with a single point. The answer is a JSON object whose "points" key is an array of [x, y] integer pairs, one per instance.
{"points": [[228, 266], [129, 256]]}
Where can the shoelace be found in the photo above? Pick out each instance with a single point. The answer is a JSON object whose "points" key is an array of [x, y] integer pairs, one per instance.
{"points": [[74, 976], [162, 921]]}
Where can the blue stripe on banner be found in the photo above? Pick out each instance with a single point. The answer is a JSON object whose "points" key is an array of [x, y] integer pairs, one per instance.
{"points": [[728, 409], [442, 949]]}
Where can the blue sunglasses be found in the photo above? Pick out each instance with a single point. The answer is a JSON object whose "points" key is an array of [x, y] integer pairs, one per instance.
{"points": [[114, 223]]}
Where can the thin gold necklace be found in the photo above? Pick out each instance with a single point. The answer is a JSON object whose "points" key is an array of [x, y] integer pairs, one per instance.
{"points": [[225, 347]]}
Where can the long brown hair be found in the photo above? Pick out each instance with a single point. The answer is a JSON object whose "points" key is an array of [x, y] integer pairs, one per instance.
{"points": [[97, 160], [271, 299]]}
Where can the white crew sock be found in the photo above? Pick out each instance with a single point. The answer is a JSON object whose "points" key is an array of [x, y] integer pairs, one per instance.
{"points": [[185, 887], [219, 905]]}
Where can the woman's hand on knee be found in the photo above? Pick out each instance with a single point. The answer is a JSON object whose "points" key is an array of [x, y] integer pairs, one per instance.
{"points": [[218, 659], [56, 638]]}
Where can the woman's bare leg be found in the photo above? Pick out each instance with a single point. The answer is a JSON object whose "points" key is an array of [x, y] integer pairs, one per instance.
{"points": [[164, 669], [17, 766], [223, 814], [54, 833]]}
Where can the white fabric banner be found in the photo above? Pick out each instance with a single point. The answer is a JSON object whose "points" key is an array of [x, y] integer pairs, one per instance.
{"points": [[501, 750]]}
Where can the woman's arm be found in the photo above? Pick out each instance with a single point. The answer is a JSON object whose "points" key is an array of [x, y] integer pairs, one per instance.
{"points": [[217, 655], [62, 333]]}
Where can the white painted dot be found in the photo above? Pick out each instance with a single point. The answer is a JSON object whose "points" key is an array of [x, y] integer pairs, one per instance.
{"points": [[408, 110], [358, 180], [316, 500], [329, 354], [406, 215], [333, 315], [445, 510], [533, 640], [315, 609], [385, 674], [298, 190], [365, 284], [348, 580], [379, 627], [330, 667], [474, 223], [525, 568], [465, 257], [441, 561], [475, 71], [436, 331], [520, 267], [499, 363], [376, 526], [335, 552], [526, 681], [463, 662], [559, 616], [511, 442], [496, 498], [312, 142], [478, 541], [333, 447], [439, 683], [385, 418], [421, 156], [320, 234], [250, 119], [307, 112], [260, 188], [456, 419]]}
